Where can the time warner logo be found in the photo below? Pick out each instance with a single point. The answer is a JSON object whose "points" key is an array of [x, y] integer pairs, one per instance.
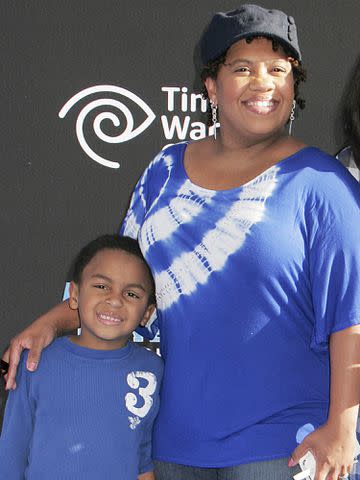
{"points": [[111, 103]]}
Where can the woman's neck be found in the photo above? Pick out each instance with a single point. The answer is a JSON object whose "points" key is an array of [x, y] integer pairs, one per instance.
{"points": [[249, 147], [224, 164]]}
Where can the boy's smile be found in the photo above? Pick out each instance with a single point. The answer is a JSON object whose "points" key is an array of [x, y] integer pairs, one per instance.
{"points": [[112, 299], [109, 319]]}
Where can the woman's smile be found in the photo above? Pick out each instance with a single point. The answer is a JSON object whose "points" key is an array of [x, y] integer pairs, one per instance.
{"points": [[260, 106]]}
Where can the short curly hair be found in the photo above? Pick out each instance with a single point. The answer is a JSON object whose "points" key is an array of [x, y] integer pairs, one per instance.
{"points": [[211, 70]]}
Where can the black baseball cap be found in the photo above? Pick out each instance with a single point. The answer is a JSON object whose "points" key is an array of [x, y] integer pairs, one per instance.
{"points": [[226, 28]]}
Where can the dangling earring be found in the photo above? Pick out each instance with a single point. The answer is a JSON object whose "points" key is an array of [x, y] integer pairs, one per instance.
{"points": [[292, 116], [214, 116]]}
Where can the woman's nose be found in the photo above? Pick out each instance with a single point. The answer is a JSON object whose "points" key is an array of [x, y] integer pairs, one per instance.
{"points": [[261, 81]]}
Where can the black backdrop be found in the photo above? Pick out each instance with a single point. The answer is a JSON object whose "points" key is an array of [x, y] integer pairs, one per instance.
{"points": [[54, 197]]}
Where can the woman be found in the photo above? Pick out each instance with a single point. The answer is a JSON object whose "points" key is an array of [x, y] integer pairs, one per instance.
{"points": [[254, 277]]}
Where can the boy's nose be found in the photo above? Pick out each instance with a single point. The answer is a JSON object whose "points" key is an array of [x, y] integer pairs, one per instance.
{"points": [[115, 300]]}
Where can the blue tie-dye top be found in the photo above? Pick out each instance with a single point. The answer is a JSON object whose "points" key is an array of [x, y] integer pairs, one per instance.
{"points": [[250, 283]]}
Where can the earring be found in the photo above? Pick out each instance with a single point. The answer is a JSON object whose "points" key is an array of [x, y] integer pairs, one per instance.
{"points": [[292, 116], [214, 115]]}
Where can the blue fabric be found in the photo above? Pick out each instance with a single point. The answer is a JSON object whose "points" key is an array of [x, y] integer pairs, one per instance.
{"points": [[250, 284], [72, 418]]}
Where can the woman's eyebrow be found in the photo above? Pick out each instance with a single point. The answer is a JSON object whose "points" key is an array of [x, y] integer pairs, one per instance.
{"points": [[238, 60], [251, 62]]}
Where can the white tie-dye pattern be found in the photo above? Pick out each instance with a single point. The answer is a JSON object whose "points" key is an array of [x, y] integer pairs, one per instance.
{"points": [[191, 269], [132, 226], [169, 163], [183, 208]]}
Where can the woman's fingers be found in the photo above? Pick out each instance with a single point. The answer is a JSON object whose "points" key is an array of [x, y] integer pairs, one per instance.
{"points": [[34, 356], [12, 356]]}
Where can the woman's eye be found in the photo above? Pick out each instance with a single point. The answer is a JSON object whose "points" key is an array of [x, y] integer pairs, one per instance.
{"points": [[279, 69], [241, 70]]}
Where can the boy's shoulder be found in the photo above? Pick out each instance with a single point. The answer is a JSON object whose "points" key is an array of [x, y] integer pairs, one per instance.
{"points": [[143, 355], [49, 355], [53, 349], [141, 352], [59, 354]]}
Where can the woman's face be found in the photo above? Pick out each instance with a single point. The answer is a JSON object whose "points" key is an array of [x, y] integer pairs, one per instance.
{"points": [[254, 90]]}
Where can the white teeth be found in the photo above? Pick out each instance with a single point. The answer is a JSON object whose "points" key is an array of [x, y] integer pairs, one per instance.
{"points": [[109, 318], [261, 103]]}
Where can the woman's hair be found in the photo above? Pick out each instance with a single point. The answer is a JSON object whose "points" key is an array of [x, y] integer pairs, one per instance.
{"points": [[350, 112], [109, 242], [211, 70]]}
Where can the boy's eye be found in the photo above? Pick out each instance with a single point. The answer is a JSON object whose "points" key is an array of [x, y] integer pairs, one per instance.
{"points": [[132, 295], [101, 286]]}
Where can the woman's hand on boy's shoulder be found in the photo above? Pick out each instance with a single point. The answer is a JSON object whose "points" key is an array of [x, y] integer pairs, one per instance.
{"points": [[34, 338]]}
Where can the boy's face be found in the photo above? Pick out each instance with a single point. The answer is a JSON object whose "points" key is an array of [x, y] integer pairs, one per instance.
{"points": [[112, 299]]}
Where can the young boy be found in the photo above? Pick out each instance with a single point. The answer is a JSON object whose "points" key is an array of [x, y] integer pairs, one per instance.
{"points": [[88, 410]]}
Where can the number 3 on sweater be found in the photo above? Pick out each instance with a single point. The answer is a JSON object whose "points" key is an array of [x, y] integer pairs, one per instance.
{"points": [[146, 392]]}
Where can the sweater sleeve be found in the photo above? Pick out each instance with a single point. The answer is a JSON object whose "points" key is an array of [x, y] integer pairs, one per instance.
{"points": [[145, 453], [17, 428]]}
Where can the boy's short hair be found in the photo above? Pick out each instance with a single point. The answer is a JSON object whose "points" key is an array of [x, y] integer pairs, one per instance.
{"points": [[109, 242]]}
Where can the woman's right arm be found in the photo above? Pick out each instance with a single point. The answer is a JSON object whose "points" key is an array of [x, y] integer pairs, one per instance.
{"points": [[36, 337]]}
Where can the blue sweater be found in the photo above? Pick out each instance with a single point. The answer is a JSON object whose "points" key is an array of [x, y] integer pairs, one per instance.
{"points": [[84, 414]]}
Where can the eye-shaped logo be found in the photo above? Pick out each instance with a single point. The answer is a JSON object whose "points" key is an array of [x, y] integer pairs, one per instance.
{"points": [[128, 131]]}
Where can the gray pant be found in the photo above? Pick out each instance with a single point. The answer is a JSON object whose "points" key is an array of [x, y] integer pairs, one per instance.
{"points": [[272, 470]]}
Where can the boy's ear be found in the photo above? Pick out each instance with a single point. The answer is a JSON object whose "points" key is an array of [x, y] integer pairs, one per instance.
{"points": [[74, 295], [149, 311]]}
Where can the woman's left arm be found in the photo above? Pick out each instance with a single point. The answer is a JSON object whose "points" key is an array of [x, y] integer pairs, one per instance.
{"points": [[333, 444]]}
